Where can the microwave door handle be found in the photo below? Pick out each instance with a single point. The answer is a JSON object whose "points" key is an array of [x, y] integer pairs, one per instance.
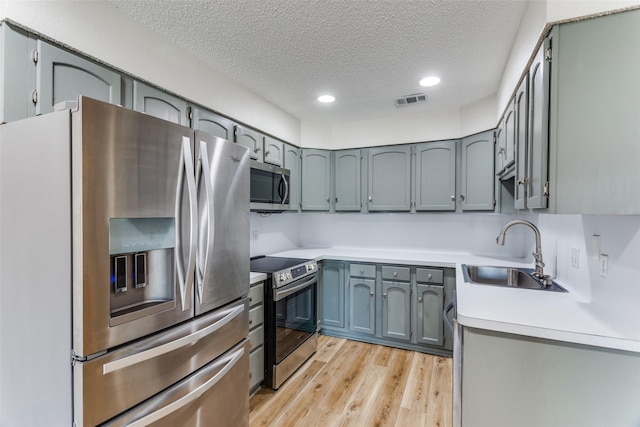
{"points": [[283, 197], [195, 394], [186, 173], [205, 174]]}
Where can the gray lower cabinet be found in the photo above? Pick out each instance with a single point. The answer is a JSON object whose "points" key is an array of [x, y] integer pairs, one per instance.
{"points": [[251, 139], [293, 162], [273, 151], [507, 379], [347, 177], [396, 310], [389, 178], [435, 180], [430, 301], [362, 305], [332, 312], [155, 102], [63, 76], [212, 123], [477, 172], [316, 180], [256, 336]]}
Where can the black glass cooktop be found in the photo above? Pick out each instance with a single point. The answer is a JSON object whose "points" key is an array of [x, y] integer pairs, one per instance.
{"points": [[271, 264]]}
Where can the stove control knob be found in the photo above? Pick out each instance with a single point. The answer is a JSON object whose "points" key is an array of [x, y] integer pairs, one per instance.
{"points": [[288, 275], [281, 277]]}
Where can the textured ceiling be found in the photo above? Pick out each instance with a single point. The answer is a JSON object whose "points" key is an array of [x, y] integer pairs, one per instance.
{"points": [[365, 52]]}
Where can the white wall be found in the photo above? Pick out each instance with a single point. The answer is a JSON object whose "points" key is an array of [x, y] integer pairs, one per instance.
{"points": [[99, 29]]}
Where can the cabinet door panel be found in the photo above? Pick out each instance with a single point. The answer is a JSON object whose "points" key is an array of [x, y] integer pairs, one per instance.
{"points": [[273, 151], [293, 162], [390, 178], [333, 293], [436, 176], [396, 312], [538, 152], [159, 104], [63, 76], [509, 135], [430, 300], [521, 109], [477, 186], [213, 124], [316, 180], [251, 139], [362, 304], [347, 180]]}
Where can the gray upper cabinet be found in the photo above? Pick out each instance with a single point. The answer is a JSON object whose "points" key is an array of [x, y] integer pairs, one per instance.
{"points": [[316, 180], [273, 151], [430, 300], [477, 172], [152, 101], [362, 305], [396, 310], [536, 176], [333, 293], [212, 123], [293, 162], [347, 173], [19, 73], [436, 176], [522, 121], [389, 178], [251, 139], [63, 76]]}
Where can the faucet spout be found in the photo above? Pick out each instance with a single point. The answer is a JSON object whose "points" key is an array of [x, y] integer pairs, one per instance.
{"points": [[537, 255]]}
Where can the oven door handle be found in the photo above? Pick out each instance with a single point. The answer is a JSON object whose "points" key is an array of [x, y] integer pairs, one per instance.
{"points": [[283, 293]]}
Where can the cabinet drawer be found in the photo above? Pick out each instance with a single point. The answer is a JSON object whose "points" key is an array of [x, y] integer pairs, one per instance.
{"points": [[362, 270], [429, 275], [256, 337], [256, 294], [256, 316], [256, 367], [390, 272]]}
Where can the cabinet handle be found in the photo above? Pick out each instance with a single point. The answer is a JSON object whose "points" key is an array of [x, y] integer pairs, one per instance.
{"points": [[370, 199], [336, 200], [371, 293], [462, 197], [328, 200], [384, 295], [266, 153], [429, 276], [453, 197], [250, 321], [250, 299], [395, 274], [419, 299], [256, 150], [362, 272]]}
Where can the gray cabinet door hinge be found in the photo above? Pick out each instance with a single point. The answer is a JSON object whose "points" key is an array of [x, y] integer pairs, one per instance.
{"points": [[494, 203], [545, 189], [34, 97], [34, 56], [548, 55]]}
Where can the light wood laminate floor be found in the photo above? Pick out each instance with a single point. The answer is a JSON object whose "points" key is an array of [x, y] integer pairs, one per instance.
{"points": [[349, 383]]}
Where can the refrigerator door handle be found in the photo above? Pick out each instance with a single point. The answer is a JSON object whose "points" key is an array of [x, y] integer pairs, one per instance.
{"points": [[204, 173], [170, 346], [185, 275], [195, 394]]}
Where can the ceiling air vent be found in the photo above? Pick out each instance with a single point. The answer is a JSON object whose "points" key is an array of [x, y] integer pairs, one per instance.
{"points": [[416, 98]]}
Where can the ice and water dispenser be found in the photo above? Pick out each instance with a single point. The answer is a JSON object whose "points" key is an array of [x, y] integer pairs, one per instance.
{"points": [[142, 266]]}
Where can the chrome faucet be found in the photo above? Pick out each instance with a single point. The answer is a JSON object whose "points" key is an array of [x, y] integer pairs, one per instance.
{"points": [[537, 255]]}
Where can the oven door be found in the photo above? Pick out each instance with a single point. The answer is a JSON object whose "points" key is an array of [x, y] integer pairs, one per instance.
{"points": [[295, 315]]}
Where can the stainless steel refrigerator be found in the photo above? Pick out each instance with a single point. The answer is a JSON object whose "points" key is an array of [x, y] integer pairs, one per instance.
{"points": [[124, 272]]}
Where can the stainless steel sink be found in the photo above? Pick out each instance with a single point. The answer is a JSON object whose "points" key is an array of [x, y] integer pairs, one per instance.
{"points": [[506, 276]]}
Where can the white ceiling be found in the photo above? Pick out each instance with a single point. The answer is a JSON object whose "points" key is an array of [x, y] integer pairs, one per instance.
{"points": [[365, 52]]}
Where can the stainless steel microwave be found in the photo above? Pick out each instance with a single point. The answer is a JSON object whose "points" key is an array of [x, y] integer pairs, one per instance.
{"points": [[269, 188]]}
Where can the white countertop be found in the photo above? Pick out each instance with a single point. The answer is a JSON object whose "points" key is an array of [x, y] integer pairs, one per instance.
{"points": [[256, 277], [557, 316]]}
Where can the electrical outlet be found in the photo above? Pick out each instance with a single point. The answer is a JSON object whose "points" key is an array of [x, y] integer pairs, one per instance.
{"points": [[255, 235], [604, 265], [575, 257]]}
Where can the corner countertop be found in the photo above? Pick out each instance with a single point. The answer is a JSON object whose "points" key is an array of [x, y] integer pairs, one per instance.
{"points": [[568, 317], [256, 277]]}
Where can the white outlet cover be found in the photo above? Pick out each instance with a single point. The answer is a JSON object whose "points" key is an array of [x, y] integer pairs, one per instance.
{"points": [[604, 265], [575, 257]]}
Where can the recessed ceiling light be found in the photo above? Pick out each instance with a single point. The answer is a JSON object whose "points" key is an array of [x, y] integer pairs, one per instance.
{"points": [[326, 98], [430, 81]]}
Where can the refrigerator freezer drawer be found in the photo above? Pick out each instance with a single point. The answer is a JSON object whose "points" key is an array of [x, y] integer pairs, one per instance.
{"points": [[216, 395], [110, 384]]}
